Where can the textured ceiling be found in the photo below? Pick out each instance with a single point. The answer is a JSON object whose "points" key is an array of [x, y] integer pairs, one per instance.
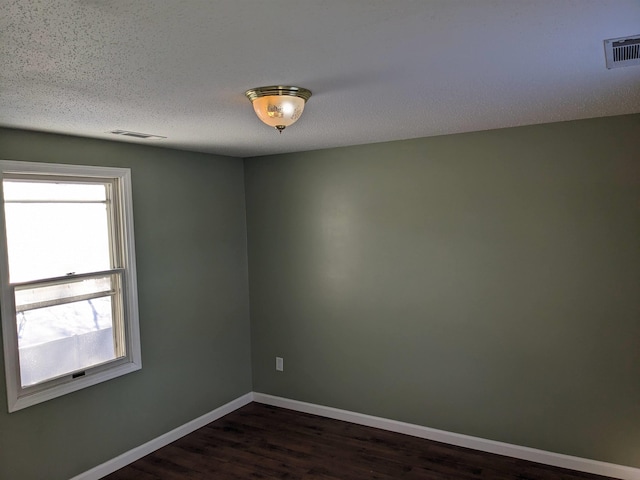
{"points": [[379, 69]]}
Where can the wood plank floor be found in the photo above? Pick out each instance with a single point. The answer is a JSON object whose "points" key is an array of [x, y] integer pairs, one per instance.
{"points": [[263, 442]]}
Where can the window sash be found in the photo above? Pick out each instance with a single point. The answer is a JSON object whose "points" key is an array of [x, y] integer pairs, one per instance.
{"points": [[116, 274]]}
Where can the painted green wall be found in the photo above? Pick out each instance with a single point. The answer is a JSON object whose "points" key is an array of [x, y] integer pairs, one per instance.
{"points": [[484, 283], [189, 213]]}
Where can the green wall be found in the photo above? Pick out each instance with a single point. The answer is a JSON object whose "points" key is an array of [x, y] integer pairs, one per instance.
{"points": [[484, 283], [190, 231]]}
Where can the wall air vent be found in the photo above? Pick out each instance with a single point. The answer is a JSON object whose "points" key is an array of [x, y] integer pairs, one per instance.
{"points": [[622, 52], [127, 133]]}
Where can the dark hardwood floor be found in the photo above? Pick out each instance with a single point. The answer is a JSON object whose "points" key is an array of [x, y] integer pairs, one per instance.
{"points": [[259, 441]]}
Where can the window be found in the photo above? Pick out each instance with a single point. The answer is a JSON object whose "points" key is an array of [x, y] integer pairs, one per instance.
{"points": [[68, 282]]}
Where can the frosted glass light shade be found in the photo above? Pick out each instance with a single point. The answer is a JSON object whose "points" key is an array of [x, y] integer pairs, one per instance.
{"points": [[278, 106], [278, 110]]}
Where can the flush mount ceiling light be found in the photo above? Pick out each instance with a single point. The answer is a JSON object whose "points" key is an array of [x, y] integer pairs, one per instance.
{"points": [[278, 106]]}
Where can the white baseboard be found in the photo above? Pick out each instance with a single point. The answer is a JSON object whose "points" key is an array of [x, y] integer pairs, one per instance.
{"points": [[491, 446], [163, 440]]}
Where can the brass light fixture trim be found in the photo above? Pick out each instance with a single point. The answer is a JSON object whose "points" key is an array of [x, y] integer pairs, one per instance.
{"points": [[278, 106]]}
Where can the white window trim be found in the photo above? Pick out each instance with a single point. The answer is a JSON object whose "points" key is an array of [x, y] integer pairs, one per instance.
{"points": [[133, 360]]}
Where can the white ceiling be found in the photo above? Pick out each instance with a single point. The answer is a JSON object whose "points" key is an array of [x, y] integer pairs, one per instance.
{"points": [[379, 69]]}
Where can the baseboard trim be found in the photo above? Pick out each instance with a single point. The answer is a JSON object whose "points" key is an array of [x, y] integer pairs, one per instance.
{"points": [[490, 446], [131, 456]]}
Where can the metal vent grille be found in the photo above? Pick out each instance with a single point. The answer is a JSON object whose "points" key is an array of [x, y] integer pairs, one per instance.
{"points": [[128, 133], [622, 52]]}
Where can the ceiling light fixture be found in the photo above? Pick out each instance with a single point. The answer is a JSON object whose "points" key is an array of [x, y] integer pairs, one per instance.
{"points": [[278, 106]]}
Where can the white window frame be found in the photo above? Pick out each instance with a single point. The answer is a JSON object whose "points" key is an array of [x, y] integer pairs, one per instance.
{"points": [[19, 397]]}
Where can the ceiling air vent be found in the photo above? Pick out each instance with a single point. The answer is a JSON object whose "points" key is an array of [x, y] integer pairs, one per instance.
{"points": [[127, 133], [622, 52]]}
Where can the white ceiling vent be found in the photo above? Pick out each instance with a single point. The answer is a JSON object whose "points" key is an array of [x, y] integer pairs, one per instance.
{"points": [[127, 133], [622, 52]]}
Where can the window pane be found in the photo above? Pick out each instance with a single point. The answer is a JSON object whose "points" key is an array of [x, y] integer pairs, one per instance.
{"points": [[58, 340], [20, 190], [53, 239]]}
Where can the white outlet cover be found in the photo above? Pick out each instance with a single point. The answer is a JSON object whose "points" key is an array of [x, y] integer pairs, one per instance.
{"points": [[279, 364]]}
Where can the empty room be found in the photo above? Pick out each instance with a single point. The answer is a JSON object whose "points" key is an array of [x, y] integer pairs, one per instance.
{"points": [[320, 239]]}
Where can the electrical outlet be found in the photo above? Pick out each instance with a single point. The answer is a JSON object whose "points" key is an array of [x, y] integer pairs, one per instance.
{"points": [[279, 364]]}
